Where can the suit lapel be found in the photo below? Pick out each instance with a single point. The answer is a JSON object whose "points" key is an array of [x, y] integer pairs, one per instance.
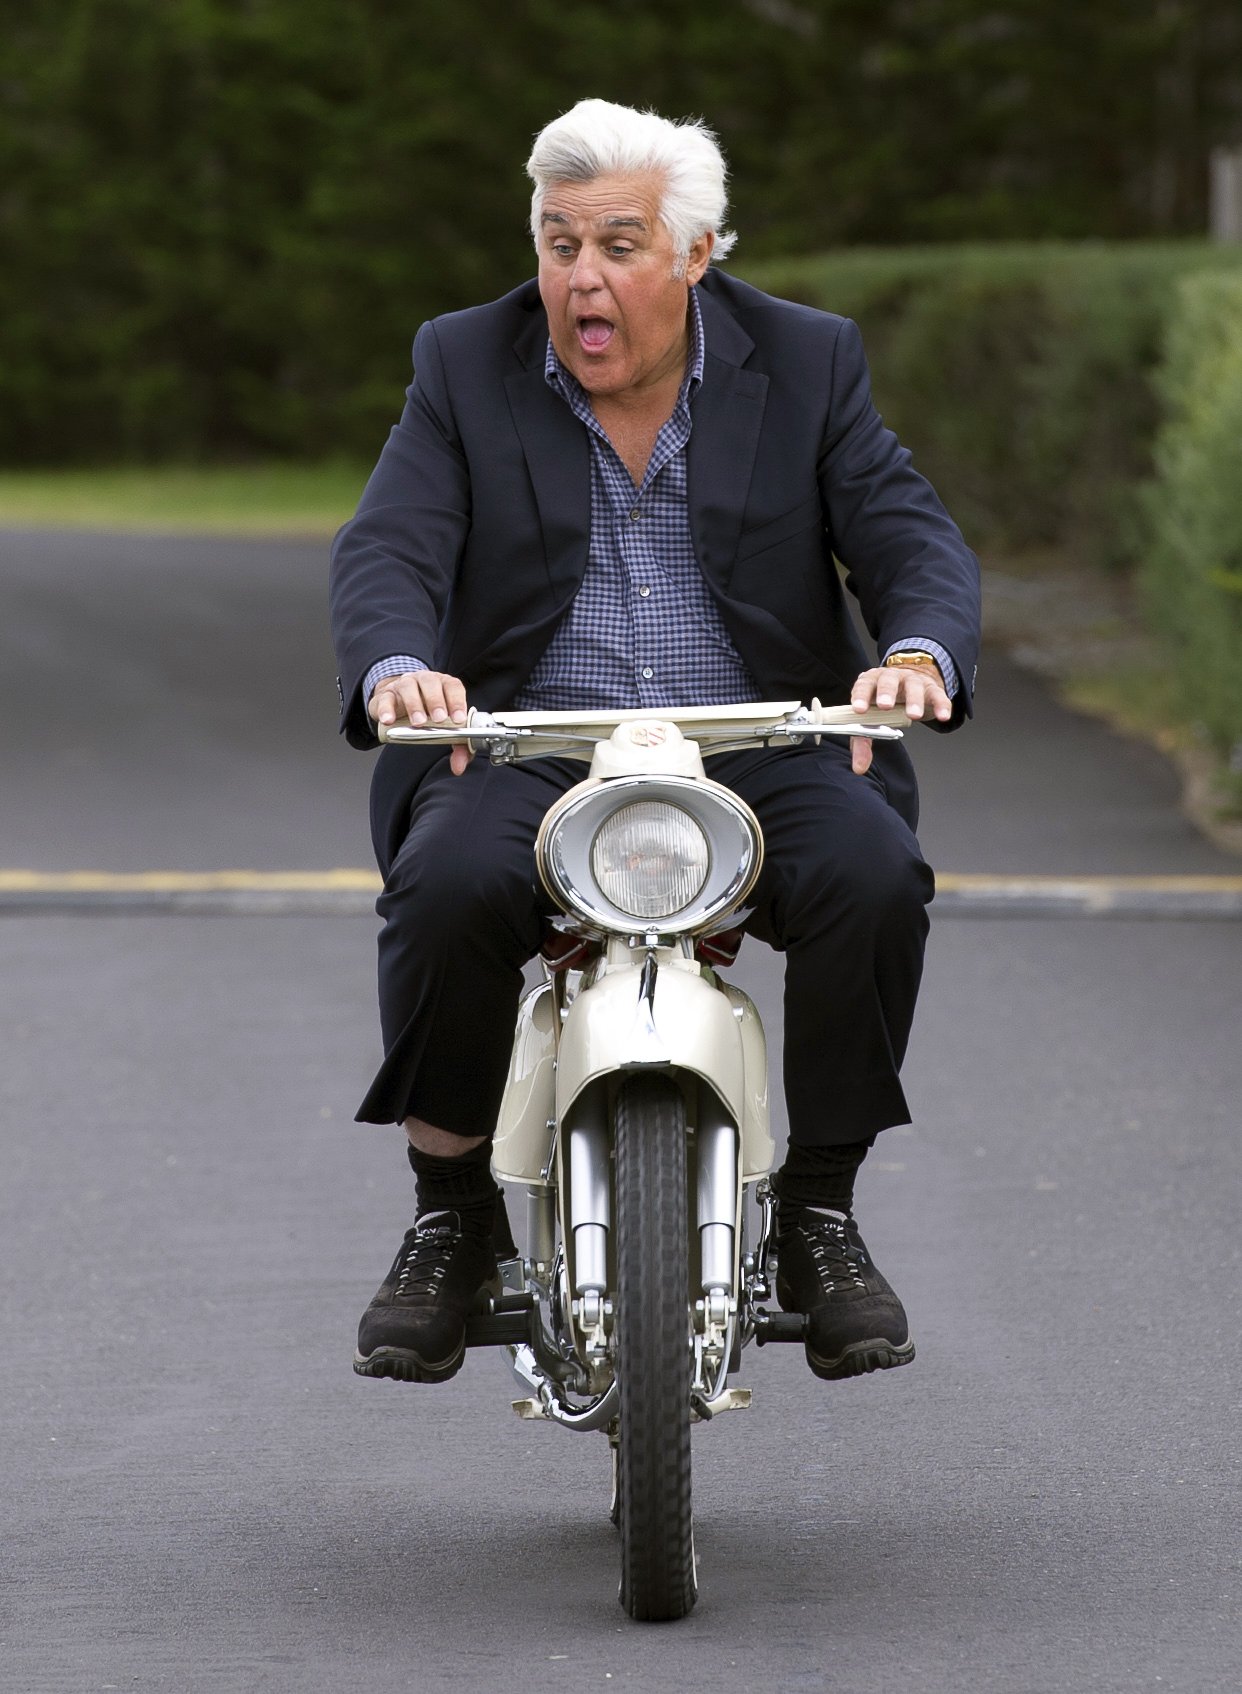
{"points": [[728, 416], [727, 419], [558, 458]]}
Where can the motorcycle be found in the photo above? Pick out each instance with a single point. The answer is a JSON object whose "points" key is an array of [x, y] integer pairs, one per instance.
{"points": [[635, 1114]]}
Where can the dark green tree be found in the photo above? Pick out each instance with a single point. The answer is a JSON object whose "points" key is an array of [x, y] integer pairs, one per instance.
{"points": [[223, 219]]}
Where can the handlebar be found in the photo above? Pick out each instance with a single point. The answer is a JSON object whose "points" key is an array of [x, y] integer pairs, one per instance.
{"points": [[717, 729]]}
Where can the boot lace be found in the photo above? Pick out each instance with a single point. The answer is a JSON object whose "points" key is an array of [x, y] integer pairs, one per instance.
{"points": [[426, 1257], [837, 1261]]}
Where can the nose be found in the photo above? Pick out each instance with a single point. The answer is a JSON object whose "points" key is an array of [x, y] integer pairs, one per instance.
{"points": [[585, 275]]}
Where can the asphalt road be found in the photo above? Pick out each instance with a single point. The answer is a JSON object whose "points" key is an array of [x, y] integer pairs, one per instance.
{"points": [[198, 1495]]}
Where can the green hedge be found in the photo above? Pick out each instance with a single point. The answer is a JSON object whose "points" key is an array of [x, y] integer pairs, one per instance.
{"points": [[1085, 399], [1023, 376], [1192, 574], [223, 221]]}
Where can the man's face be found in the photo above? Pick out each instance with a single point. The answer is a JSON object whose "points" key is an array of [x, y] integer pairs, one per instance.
{"points": [[616, 312]]}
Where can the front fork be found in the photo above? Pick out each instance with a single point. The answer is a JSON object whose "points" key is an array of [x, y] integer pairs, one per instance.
{"points": [[548, 1358], [715, 1222], [568, 1361], [728, 1283], [718, 1219]]}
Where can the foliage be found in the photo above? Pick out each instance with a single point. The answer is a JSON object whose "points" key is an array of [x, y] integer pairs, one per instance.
{"points": [[1022, 376], [1192, 575], [310, 498], [223, 219]]}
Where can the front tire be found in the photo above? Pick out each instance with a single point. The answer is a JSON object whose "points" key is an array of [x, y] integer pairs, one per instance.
{"points": [[653, 1352]]}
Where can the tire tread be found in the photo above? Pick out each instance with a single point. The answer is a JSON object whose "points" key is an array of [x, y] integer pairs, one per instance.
{"points": [[654, 1361]]}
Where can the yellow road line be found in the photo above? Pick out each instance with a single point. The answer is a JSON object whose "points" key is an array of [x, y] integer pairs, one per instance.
{"points": [[350, 892], [971, 882], [352, 880], [188, 882]]}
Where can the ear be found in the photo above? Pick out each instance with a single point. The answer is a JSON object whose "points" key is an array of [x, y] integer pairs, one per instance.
{"points": [[699, 257]]}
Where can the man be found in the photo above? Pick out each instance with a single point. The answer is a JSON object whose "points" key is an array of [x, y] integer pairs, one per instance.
{"points": [[622, 487]]}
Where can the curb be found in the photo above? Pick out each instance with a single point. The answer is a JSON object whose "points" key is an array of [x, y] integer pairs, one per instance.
{"points": [[351, 893], [979, 896]]}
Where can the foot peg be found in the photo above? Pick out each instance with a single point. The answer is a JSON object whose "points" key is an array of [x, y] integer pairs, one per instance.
{"points": [[506, 1322], [779, 1326]]}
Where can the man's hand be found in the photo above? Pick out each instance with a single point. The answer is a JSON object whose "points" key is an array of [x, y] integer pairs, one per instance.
{"points": [[423, 697], [919, 691]]}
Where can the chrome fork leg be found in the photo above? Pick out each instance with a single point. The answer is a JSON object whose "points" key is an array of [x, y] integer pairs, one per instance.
{"points": [[716, 1145], [590, 1207]]}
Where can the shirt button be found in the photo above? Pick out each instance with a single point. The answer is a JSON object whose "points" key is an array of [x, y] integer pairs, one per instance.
{"points": [[648, 673], [645, 592], [635, 515]]}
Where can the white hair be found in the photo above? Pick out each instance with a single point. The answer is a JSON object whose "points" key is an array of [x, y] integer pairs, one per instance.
{"points": [[596, 138]]}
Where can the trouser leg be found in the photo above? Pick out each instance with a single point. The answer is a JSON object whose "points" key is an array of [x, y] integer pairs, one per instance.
{"points": [[461, 918], [843, 894]]}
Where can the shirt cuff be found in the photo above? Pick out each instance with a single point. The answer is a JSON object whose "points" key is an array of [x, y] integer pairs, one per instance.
{"points": [[397, 665], [924, 644]]}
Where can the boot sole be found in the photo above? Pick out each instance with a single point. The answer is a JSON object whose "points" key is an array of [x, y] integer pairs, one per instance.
{"points": [[861, 1359], [402, 1364]]}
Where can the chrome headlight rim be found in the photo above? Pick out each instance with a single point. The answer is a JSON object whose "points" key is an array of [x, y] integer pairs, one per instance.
{"points": [[732, 830]]}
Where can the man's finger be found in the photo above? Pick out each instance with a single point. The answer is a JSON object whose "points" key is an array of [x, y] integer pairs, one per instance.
{"points": [[924, 694], [455, 699], [421, 696], [431, 695], [860, 754], [915, 689], [397, 696], [383, 704], [863, 691], [919, 691]]}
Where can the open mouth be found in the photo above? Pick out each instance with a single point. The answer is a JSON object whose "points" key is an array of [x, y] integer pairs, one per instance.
{"points": [[594, 334]]}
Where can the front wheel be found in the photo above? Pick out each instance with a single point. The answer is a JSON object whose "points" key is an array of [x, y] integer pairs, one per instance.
{"points": [[653, 1352]]}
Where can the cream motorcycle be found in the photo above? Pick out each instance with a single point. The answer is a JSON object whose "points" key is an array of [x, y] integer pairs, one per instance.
{"points": [[636, 1110]]}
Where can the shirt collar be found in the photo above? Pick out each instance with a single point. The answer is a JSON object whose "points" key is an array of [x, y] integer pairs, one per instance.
{"points": [[566, 383]]}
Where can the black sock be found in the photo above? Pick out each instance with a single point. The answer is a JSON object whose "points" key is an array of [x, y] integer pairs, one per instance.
{"points": [[464, 1185], [819, 1176]]}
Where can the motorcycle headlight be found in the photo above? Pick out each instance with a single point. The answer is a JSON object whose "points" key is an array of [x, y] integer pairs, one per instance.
{"points": [[650, 858], [667, 853]]}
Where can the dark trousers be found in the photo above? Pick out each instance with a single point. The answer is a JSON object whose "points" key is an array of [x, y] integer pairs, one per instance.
{"points": [[843, 895]]}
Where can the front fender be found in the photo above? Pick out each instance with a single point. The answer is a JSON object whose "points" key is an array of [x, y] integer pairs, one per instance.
{"points": [[691, 1023]]}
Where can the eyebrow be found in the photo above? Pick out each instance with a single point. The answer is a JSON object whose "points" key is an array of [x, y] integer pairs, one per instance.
{"points": [[609, 223]]}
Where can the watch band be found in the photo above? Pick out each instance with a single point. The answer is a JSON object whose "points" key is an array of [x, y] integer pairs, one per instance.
{"points": [[914, 660]]}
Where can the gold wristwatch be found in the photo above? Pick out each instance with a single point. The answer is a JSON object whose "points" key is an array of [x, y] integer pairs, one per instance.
{"points": [[916, 660]]}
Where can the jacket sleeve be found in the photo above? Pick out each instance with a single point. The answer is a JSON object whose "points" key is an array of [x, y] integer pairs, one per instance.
{"points": [[904, 557], [394, 562]]}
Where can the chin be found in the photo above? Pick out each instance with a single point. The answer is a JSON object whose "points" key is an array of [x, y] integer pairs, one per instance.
{"points": [[602, 381]]}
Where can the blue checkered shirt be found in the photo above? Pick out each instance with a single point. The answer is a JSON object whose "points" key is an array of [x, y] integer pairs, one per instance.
{"points": [[643, 629]]}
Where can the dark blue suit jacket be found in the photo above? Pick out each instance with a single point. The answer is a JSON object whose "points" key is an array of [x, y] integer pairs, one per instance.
{"points": [[471, 537]]}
